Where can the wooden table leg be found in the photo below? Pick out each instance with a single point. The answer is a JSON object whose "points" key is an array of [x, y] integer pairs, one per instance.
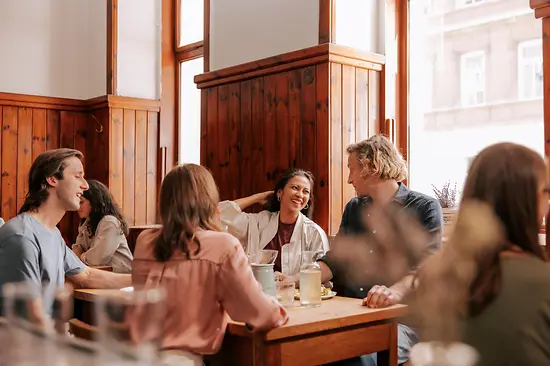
{"points": [[389, 356]]}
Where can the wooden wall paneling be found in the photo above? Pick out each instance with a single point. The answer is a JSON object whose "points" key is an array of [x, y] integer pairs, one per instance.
{"points": [[349, 87], [24, 152], [128, 153], [323, 202], [247, 165], [336, 157], [97, 145], [282, 123], [375, 103], [212, 160], [204, 126], [140, 189], [66, 139], [269, 123], [1, 155], [9, 162], [116, 155], [224, 180], [234, 148], [307, 120], [294, 118], [153, 179], [362, 127], [258, 175], [52, 129], [39, 132]]}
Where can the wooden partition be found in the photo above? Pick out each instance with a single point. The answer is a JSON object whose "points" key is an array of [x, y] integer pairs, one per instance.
{"points": [[299, 109], [118, 136]]}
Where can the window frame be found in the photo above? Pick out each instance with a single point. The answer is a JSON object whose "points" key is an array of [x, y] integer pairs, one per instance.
{"points": [[521, 63], [183, 54], [460, 4], [464, 94]]}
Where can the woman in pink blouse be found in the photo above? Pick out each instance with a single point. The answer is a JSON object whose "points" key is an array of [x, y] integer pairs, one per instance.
{"points": [[205, 271]]}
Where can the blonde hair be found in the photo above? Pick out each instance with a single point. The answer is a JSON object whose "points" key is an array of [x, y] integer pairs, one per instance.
{"points": [[379, 157]]}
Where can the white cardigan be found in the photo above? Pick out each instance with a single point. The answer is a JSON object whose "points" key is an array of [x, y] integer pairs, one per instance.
{"points": [[255, 231]]}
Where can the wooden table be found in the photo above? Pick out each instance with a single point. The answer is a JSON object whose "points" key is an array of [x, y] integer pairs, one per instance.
{"points": [[339, 329]]}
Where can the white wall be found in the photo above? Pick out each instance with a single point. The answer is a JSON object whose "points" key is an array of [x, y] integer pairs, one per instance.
{"points": [[53, 48], [361, 24], [139, 48], [248, 30]]}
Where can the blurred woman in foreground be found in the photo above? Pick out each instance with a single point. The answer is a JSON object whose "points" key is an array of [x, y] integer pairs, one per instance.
{"points": [[205, 272], [489, 286]]}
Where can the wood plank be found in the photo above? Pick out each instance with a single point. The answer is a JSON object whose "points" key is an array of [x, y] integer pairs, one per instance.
{"points": [[246, 140], [324, 189], [112, 45], [152, 166], [234, 169], [348, 129], [327, 21], [308, 125], [128, 153], [204, 127], [374, 103], [140, 194], [37, 101], [66, 129], [336, 168], [9, 162], [270, 149], [362, 128], [222, 170], [1, 154], [283, 136], [24, 153], [116, 157], [212, 127], [39, 132], [257, 116], [80, 135], [206, 38], [294, 118], [52, 129]]}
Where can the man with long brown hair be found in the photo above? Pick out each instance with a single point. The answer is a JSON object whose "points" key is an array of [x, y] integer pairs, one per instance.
{"points": [[360, 261], [31, 246]]}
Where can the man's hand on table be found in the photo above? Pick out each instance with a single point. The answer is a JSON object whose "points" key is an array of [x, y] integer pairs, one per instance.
{"points": [[382, 296]]}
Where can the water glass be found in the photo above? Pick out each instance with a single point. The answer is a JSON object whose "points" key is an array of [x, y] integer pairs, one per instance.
{"points": [[285, 293], [131, 326]]}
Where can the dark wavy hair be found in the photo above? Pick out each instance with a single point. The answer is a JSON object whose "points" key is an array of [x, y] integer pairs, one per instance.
{"points": [[48, 164], [188, 201], [102, 204], [273, 204]]}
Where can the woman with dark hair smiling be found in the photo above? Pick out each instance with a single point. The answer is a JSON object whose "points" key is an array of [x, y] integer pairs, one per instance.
{"points": [[101, 237], [489, 286], [204, 270], [285, 220]]}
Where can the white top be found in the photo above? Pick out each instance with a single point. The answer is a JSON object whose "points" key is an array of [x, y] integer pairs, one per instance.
{"points": [[255, 231], [108, 247]]}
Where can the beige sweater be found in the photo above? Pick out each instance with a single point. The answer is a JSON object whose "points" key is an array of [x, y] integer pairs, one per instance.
{"points": [[108, 247]]}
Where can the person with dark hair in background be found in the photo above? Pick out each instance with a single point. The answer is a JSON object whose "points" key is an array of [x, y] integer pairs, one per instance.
{"points": [[101, 237], [204, 270], [31, 246], [285, 220]]}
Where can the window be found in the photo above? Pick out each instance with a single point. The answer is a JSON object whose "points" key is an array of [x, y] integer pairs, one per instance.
{"points": [[446, 79], [472, 78], [530, 70], [189, 55]]}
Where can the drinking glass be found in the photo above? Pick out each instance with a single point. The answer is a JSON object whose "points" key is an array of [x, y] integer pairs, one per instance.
{"points": [[131, 326], [285, 293]]}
